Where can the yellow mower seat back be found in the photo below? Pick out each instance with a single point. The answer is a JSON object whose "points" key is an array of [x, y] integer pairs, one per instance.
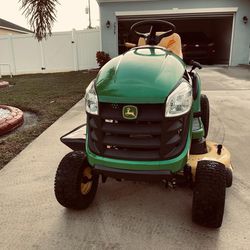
{"points": [[172, 43]]}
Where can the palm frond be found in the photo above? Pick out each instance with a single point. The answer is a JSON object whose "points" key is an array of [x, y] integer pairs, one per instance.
{"points": [[41, 15]]}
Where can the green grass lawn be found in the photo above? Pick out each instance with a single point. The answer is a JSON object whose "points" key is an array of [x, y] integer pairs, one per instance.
{"points": [[47, 95]]}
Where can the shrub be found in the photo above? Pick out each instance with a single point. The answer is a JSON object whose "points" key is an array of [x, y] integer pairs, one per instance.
{"points": [[102, 58]]}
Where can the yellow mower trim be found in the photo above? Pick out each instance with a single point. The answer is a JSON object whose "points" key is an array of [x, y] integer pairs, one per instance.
{"points": [[211, 155]]}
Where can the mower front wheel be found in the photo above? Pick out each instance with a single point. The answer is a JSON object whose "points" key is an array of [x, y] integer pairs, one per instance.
{"points": [[75, 185], [209, 194]]}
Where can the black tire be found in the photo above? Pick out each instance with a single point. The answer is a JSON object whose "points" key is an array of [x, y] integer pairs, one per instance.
{"points": [[68, 181], [229, 177], [209, 194], [205, 113]]}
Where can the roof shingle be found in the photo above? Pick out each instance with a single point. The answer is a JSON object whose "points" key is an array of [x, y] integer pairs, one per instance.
{"points": [[9, 25]]}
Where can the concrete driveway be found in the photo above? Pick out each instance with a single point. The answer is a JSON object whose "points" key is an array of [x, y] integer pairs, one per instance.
{"points": [[129, 215]]}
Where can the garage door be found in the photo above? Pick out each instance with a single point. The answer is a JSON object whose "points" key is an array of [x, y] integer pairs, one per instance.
{"points": [[212, 28]]}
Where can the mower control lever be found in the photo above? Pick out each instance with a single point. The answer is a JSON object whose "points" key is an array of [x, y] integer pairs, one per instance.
{"points": [[195, 65]]}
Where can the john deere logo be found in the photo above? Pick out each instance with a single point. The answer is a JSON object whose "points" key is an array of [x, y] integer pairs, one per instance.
{"points": [[130, 112]]}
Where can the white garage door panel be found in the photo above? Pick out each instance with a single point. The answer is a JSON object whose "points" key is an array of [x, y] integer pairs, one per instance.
{"points": [[182, 12], [175, 16]]}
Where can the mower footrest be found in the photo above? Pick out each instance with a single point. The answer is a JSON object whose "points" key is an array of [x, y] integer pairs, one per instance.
{"points": [[76, 138]]}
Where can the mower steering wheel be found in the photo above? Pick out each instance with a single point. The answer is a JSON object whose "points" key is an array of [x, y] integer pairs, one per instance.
{"points": [[152, 38]]}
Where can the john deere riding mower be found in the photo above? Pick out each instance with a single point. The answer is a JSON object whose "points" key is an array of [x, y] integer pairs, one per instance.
{"points": [[147, 120]]}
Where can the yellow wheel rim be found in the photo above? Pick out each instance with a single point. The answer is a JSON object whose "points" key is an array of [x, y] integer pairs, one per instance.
{"points": [[86, 187]]}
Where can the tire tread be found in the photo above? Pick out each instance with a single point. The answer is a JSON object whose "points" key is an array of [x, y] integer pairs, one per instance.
{"points": [[209, 194]]}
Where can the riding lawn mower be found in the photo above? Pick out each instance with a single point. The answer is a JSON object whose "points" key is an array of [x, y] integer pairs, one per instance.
{"points": [[147, 121]]}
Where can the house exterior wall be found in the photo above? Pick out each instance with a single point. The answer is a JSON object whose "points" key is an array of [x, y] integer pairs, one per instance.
{"points": [[241, 42], [7, 32]]}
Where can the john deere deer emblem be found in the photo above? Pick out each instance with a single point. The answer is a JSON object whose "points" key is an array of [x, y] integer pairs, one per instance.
{"points": [[130, 112]]}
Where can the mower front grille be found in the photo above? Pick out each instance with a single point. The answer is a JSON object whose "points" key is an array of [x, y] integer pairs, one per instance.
{"points": [[150, 136]]}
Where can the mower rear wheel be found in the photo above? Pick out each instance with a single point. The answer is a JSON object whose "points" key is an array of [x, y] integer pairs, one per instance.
{"points": [[209, 194], [75, 185], [205, 113]]}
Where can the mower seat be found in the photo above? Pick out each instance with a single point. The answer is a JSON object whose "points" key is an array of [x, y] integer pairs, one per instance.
{"points": [[172, 43]]}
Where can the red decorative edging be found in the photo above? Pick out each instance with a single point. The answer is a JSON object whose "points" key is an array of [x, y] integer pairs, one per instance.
{"points": [[13, 121], [4, 84]]}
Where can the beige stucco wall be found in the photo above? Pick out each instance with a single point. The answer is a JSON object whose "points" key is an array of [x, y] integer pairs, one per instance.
{"points": [[6, 32]]}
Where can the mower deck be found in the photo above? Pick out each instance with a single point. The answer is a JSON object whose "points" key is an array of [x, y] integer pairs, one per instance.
{"points": [[216, 152]]}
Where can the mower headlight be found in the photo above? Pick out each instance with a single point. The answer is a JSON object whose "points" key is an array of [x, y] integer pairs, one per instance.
{"points": [[91, 100], [180, 100]]}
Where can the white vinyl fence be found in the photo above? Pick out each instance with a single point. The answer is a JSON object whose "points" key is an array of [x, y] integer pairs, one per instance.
{"points": [[63, 51]]}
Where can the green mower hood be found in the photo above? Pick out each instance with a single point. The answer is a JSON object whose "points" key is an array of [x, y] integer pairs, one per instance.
{"points": [[143, 75]]}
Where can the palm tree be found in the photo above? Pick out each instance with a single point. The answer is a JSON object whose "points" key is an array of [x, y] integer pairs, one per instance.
{"points": [[41, 15]]}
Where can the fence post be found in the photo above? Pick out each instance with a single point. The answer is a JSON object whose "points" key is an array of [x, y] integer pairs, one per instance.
{"points": [[43, 66], [74, 49], [11, 48]]}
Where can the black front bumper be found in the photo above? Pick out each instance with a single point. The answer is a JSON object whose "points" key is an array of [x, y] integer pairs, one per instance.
{"points": [[133, 175], [150, 137]]}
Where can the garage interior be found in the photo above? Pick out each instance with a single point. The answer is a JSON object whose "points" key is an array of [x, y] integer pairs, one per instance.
{"points": [[218, 28]]}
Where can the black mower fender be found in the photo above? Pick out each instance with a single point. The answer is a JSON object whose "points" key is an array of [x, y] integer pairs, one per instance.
{"points": [[195, 80]]}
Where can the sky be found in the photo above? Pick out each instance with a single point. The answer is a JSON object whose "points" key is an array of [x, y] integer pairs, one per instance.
{"points": [[70, 14]]}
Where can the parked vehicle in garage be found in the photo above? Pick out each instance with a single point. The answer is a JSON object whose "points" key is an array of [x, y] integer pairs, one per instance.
{"points": [[197, 46], [147, 120]]}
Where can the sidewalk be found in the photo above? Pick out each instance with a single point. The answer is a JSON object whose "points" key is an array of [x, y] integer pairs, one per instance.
{"points": [[26, 186]]}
